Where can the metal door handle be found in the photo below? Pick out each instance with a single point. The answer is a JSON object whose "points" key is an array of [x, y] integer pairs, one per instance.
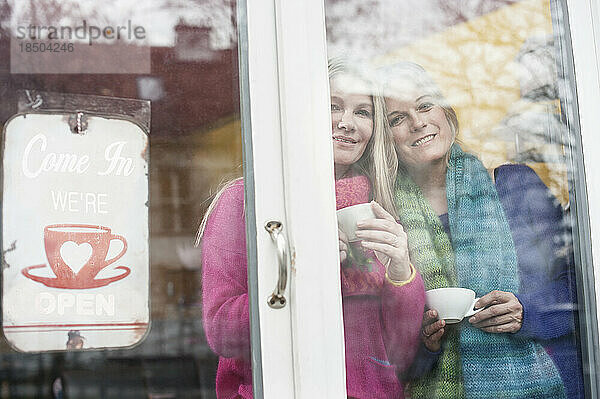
{"points": [[276, 300]]}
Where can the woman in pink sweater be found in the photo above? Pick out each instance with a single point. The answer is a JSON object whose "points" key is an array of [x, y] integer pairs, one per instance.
{"points": [[383, 295]]}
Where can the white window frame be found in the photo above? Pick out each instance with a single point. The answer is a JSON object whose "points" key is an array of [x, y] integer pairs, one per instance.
{"points": [[584, 21], [584, 17]]}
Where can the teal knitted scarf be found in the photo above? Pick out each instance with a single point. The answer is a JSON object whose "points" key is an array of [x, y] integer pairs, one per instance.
{"points": [[473, 364]]}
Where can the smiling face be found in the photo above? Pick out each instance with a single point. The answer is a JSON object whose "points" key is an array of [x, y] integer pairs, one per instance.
{"points": [[351, 123], [420, 129]]}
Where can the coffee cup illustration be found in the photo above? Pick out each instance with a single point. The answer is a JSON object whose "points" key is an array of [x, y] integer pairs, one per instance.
{"points": [[77, 253]]}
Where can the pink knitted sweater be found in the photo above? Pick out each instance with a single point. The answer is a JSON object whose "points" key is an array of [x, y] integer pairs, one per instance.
{"points": [[381, 321]]}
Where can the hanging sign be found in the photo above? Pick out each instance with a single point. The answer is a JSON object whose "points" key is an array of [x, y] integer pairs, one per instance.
{"points": [[74, 232]]}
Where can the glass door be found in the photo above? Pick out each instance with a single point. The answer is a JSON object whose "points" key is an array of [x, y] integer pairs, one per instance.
{"points": [[510, 83]]}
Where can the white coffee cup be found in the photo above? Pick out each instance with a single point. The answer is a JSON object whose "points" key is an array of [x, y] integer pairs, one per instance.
{"points": [[349, 216], [452, 304]]}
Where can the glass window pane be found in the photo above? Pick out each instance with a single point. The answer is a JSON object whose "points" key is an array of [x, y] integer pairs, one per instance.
{"points": [[479, 111], [181, 58]]}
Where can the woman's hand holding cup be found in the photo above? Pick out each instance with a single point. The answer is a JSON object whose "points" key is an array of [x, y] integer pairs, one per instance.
{"points": [[386, 237], [432, 330], [504, 313]]}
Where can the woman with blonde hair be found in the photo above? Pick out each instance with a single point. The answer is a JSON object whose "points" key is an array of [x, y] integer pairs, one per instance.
{"points": [[382, 294], [498, 236]]}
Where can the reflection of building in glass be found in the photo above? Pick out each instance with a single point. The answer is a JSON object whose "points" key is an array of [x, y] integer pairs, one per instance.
{"points": [[193, 43]]}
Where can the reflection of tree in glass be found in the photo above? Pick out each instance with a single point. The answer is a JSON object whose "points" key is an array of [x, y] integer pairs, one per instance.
{"points": [[464, 10], [47, 12], [371, 28], [537, 68], [5, 13], [534, 124]]}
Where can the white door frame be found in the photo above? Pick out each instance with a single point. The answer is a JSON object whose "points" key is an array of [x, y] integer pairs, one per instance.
{"points": [[302, 344]]}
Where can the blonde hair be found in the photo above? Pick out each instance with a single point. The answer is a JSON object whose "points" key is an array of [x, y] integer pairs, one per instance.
{"points": [[379, 162], [216, 196], [394, 81]]}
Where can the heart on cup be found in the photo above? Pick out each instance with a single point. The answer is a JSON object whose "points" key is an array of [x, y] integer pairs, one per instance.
{"points": [[75, 255]]}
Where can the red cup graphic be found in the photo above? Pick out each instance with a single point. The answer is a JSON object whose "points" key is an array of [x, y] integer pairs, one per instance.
{"points": [[86, 250]]}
